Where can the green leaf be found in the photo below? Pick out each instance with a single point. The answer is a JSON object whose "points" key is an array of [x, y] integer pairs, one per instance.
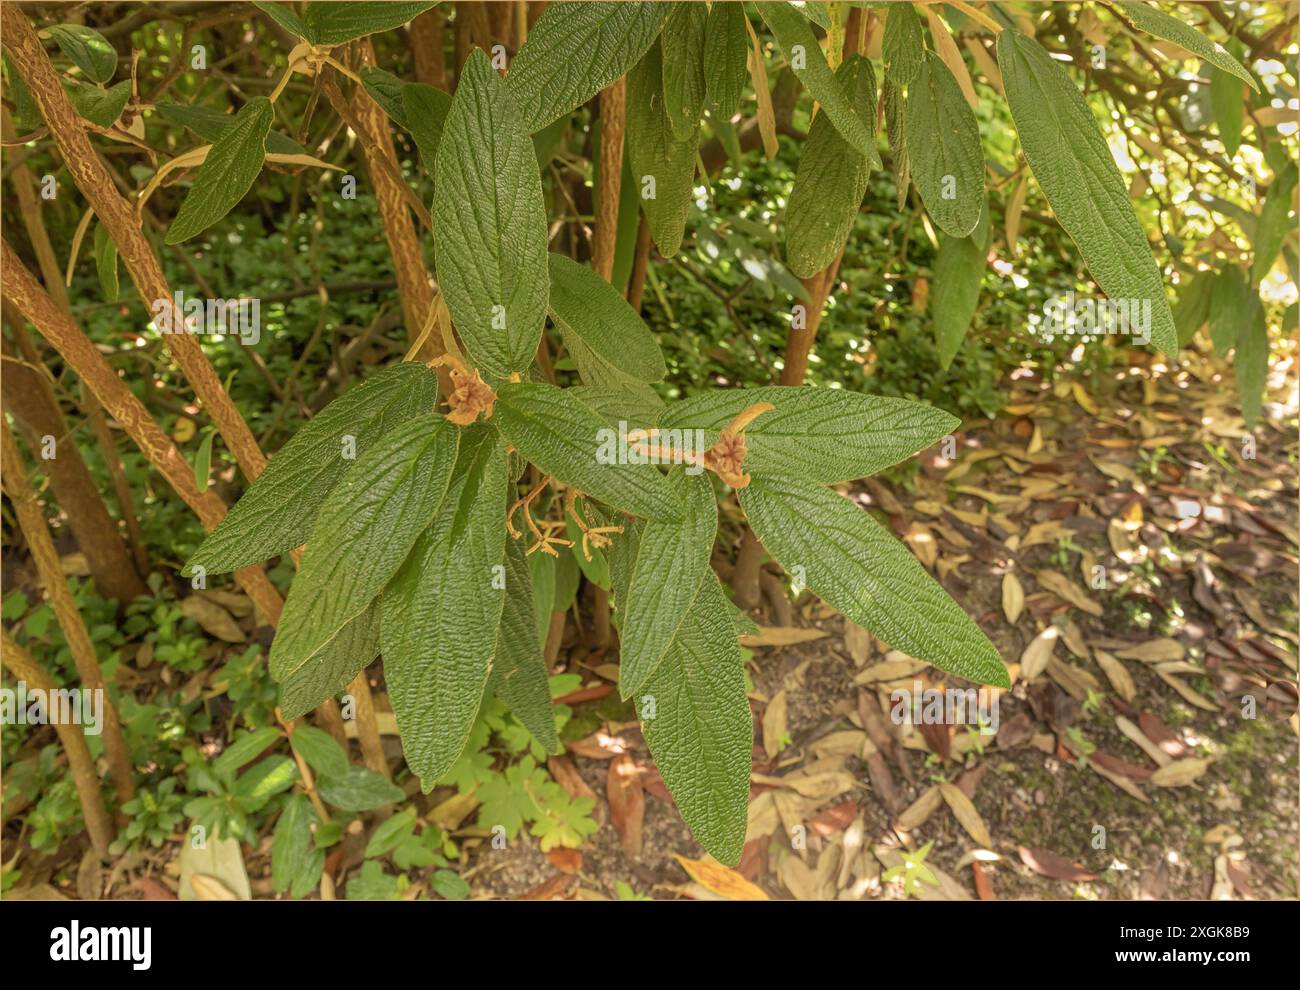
{"points": [[701, 735], [682, 44], [208, 124], [900, 161], [386, 90], [320, 750], [958, 274], [671, 563], [903, 44], [857, 567], [1229, 305], [358, 790], [449, 885], [1226, 99], [285, 17], [607, 339], [825, 435], [203, 461], [348, 652], [339, 23], [1251, 362], [364, 532], [426, 110], [1193, 306], [296, 863], [663, 168], [89, 50], [567, 578], [263, 781], [102, 107], [574, 51], [808, 62], [1274, 222], [489, 231], [1156, 22], [244, 749], [831, 181], [541, 570], [519, 671], [565, 438], [443, 609], [595, 570], [228, 173], [276, 513], [1074, 168], [388, 835], [26, 115], [950, 174], [506, 799], [106, 263], [726, 50], [635, 403]]}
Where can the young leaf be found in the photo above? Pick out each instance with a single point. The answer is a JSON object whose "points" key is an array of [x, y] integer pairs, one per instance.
{"points": [[296, 863], [725, 50], [231, 166], [808, 61], [607, 339], [203, 461], [958, 274], [860, 569], [950, 173], [565, 438], [102, 106], [89, 50], [489, 233], [683, 67], [701, 733], [1162, 25], [358, 790], [339, 23], [276, 513], [332, 669], [819, 434], [1251, 362], [670, 565], [106, 263], [574, 51], [426, 110], [831, 181], [443, 609], [519, 671], [663, 167], [1074, 168], [365, 530], [208, 124]]}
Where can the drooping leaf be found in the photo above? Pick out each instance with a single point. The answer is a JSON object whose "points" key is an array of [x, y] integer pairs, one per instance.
{"points": [[386, 90], [1192, 309], [89, 50], [566, 438], [102, 107], [283, 15], [670, 566], [1226, 99], [489, 231], [426, 110], [1274, 222], [1251, 361], [1229, 308], [663, 167], [726, 48], [364, 532], [808, 61], [442, 612], [1073, 166], [208, 124], [958, 274], [333, 668], [577, 49], [831, 181], [903, 44], [296, 863], [682, 44], [819, 434], [203, 461], [276, 513], [339, 23], [852, 563], [1157, 22], [519, 675], [900, 161], [949, 174], [541, 571], [228, 173], [607, 339]]}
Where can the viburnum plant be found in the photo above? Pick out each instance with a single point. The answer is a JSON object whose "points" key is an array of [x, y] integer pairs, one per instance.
{"points": [[422, 513]]}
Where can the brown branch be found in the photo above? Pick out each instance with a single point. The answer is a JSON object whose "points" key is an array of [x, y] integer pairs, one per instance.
{"points": [[613, 105]]}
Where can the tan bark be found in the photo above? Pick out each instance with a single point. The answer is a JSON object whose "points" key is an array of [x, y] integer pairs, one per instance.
{"points": [[23, 666], [372, 748], [613, 106]]}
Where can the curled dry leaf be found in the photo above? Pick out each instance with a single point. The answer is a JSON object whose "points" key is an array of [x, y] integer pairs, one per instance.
{"points": [[214, 619], [719, 880], [1034, 660], [1013, 597], [963, 810]]}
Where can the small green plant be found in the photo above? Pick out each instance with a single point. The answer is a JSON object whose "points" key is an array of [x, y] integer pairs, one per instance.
{"points": [[912, 871]]}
